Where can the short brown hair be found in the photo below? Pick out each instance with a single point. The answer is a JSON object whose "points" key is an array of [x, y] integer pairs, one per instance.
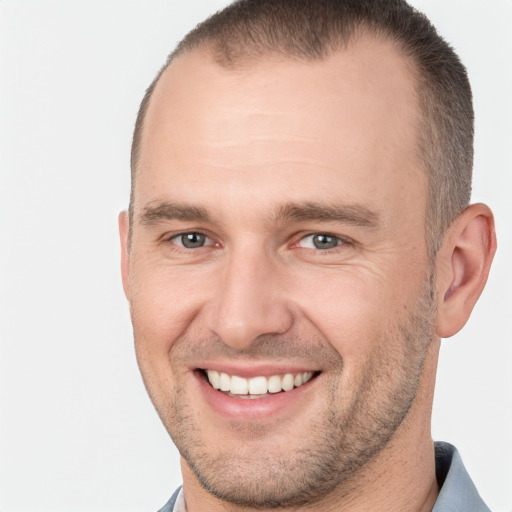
{"points": [[249, 30]]}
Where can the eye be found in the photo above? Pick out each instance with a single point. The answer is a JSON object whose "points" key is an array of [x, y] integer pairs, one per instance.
{"points": [[192, 240], [320, 241]]}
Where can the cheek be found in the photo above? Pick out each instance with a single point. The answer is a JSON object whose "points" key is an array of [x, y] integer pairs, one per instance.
{"points": [[161, 310], [353, 311], [164, 301]]}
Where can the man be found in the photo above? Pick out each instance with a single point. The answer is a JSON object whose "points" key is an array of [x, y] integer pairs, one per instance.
{"points": [[298, 241]]}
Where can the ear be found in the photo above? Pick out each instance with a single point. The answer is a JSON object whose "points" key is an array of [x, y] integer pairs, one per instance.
{"points": [[124, 230], [463, 264]]}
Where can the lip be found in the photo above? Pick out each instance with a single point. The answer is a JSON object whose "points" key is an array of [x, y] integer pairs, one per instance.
{"points": [[258, 409]]}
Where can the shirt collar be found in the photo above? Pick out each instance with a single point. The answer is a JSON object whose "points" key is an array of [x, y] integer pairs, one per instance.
{"points": [[457, 489], [179, 506]]}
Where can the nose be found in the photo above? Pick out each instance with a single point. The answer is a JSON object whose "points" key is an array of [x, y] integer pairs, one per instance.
{"points": [[250, 300]]}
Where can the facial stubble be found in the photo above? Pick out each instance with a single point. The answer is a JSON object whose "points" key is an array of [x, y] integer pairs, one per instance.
{"points": [[348, 434]]}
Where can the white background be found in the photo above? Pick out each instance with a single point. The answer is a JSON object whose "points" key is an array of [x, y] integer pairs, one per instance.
{"points": [[77, 432]]}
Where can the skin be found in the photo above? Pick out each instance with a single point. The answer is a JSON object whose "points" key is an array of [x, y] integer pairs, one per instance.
{"points": [[365, 315]]}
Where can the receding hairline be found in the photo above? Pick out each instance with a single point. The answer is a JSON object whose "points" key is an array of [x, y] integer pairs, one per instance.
{"points": [[249, 31], [247, 63]]}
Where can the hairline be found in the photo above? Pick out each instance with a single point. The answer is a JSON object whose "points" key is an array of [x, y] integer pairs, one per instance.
{"points": [[423, 98]]}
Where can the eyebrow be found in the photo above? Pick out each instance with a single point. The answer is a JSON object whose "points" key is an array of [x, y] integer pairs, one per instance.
{"points": [[153, 214], [355, 214]]}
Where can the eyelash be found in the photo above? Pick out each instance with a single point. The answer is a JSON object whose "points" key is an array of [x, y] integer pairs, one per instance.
{"points": [[339, 241], [172, 239], [179, 246]]}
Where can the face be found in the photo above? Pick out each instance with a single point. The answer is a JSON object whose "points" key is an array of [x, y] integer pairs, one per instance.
{"points": [[278, 276]]}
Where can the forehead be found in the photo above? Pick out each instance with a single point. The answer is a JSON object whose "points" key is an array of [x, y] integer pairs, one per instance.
{"points": [[346, 123]]}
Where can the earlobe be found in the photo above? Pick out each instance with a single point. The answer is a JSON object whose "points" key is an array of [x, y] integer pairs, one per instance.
{"points": [[463, 263], [124, 225]]}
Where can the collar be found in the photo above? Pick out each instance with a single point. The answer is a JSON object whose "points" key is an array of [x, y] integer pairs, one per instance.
{"points": [[457, 489], [179, 506]]}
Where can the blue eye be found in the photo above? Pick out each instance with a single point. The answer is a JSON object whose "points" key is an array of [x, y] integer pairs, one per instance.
{"points": [[191, 240], [320, 241]]}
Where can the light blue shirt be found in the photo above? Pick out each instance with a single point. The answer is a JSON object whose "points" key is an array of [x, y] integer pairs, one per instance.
{"points": [[458, 493]]}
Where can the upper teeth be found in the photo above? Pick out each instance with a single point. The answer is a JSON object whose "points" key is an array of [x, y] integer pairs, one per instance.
{"points": [[257, 385]]}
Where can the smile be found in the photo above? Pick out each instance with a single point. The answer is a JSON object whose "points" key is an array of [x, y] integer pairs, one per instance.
{"points": [[256, 387]]}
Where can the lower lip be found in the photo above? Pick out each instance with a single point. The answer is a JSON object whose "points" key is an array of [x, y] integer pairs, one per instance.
{"points": [[250, 409]]}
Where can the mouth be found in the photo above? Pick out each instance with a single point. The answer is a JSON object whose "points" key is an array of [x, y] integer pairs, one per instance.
{"points": [[256, 387]]}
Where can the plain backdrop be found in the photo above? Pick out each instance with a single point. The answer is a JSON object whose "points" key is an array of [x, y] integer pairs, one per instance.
{"points": [[77, 432]]}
